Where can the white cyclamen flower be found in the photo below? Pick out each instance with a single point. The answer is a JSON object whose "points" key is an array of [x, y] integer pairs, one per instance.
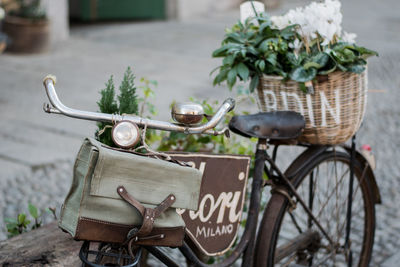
{"points": [[2, 13], [296, 45], [317, 19], [349, 37], [296, 16], [327, 31], [280, 22]]}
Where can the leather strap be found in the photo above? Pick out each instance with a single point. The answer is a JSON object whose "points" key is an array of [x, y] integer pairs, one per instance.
{"points": [[128, 198], [149, 215], [164, 205]]}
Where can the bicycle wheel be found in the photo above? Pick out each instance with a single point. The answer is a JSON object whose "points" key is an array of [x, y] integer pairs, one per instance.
{"points": [[323, 185]]}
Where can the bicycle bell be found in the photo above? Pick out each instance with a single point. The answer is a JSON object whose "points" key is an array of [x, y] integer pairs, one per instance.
{"points": [[187, 113]]}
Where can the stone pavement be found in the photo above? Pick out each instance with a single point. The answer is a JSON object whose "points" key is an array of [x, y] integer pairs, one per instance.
{"points": [[37, 149]]}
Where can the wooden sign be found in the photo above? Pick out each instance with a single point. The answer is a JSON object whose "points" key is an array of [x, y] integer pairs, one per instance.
{"points": [[214, 226]]}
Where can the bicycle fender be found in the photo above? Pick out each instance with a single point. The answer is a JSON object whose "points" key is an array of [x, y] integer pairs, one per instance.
{"points": [[372, 179], [303, 159]]}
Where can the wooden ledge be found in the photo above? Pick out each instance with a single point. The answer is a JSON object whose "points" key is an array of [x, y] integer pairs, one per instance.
{"points": [[46, 246]]}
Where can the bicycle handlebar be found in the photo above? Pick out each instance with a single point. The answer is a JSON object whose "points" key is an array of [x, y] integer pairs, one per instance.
{"points": [[57, 107]]}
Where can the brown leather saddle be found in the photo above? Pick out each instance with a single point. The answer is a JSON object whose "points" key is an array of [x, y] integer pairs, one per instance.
{"points": [[277, 125]]}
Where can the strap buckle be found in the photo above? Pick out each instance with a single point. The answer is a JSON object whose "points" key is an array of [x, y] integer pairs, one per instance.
{"points": [[149, 215]]}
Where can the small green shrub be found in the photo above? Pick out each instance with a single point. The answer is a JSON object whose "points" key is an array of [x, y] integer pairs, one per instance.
{"points": [[127, 104], [22, 224]]}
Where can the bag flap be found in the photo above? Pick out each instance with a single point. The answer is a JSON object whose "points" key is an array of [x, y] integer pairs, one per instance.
{"points": [[148, 180]]}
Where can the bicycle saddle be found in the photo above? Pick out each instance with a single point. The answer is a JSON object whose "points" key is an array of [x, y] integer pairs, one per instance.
{"points": [[277, 125]]}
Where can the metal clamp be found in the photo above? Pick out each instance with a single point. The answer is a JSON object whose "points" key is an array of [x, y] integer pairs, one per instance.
{"points": [[281, 190]]}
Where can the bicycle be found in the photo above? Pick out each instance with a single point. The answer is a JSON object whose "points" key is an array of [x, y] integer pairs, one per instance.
{"points": [[322, 208]]}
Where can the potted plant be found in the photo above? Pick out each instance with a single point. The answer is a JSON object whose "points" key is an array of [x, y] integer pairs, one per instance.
{"points": [[301, 61], [26, 25]]}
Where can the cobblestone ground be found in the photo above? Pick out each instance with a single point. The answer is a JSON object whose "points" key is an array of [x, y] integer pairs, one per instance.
{"points": [[44, 187]]}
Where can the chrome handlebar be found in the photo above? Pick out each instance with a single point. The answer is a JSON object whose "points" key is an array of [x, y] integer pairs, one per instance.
{"points": [[57, 107]]}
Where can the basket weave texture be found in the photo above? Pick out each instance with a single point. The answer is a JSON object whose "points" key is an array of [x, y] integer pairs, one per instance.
{"points": [[333, 113]]}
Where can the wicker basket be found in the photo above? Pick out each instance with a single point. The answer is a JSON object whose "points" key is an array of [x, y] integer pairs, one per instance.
{"points": [[333, 113]]}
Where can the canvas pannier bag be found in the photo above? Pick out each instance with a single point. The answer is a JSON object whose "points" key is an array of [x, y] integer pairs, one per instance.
{"points": [[117, 196]]}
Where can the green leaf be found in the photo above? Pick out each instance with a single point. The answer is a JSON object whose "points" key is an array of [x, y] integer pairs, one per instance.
{"points": [[26, 223], [283, 46], [33, 211], [362, 51], [21, 218], [356, 67], [312, 65], [289, 31], [10, 220], [303, 87], [321, 59], [365, 51], [252, 50], [11, 226], [341, 67], [243, 71], [254, 83], [221, 76], [300, 74], [272, 58], [292, 59], [13, 232], [261, 65], [204, 139], [235, 37], [221, 52], [264, 46], [327, 71], [279, 71], [228, 60], [231, 78], [344, 56], [265, 25], [349, 55], [215, 69]]}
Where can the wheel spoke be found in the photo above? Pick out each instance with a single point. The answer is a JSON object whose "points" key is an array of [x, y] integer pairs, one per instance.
{"points": [[331, 194]]}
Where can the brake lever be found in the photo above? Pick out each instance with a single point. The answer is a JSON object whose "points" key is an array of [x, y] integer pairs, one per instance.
{"points": [[227, 133]]}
